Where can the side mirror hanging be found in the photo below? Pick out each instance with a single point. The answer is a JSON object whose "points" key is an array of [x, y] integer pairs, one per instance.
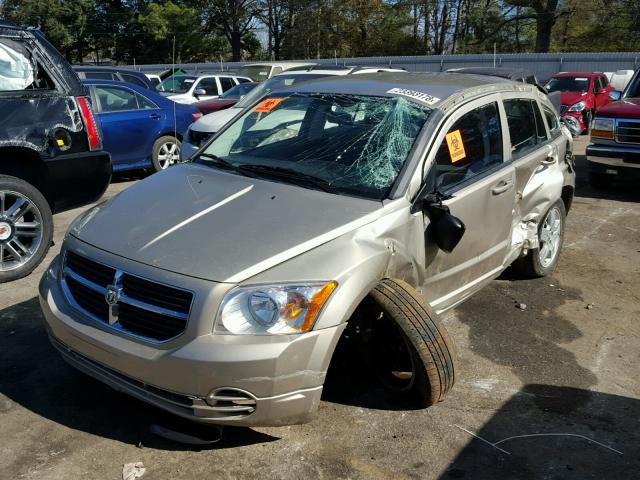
{"points": [[447, 229]]}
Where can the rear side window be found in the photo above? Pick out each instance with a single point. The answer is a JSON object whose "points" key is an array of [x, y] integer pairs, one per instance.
{"points": [[226, 83], [604, 81], [116, 99], [552, 119], [19, 70], [144, 103], [133, 79], [525, 126], [472, 146]]}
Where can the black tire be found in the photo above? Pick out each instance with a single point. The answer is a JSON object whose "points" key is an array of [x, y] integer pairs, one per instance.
{"points": [[601, 181], [531, 265], [417, 331], [156, 158], [40, 213]]}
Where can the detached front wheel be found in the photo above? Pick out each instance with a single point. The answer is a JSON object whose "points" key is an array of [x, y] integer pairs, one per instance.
{"points": [[26, 228], [404, 344]]}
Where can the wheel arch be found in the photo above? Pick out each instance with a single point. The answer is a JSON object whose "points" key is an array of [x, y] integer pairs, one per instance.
{"points": [[25, 163]]}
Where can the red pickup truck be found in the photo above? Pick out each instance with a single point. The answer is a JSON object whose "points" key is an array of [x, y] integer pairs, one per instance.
{"points": [[615, 137], [582, 95]]}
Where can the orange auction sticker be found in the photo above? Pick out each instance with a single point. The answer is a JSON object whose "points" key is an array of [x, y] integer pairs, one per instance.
{"points": [[267, 105], [456, 147]]}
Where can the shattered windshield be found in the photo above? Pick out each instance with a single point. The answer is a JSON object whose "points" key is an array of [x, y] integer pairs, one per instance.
{"points": [[351, 144]]}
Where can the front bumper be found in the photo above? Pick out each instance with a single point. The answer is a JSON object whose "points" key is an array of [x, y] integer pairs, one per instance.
{"points": [[614, 159], [77, 179], [259, 380]]}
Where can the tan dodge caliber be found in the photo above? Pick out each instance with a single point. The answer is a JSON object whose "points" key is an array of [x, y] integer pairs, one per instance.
{"points": [[218, 289]]}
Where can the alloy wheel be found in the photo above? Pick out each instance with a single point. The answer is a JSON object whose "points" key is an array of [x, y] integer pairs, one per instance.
{"points": [[21, 231], [550, 236], [168, 154]]}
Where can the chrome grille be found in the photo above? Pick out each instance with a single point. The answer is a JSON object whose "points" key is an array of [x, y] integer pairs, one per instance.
{"points": [[199, 138], [628, 131], [138, 306]]}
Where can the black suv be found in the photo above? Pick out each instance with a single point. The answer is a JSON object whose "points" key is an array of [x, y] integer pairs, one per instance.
{"points": [[51, 156]]}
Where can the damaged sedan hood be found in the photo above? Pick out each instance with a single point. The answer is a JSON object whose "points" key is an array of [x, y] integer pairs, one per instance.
{"points": [[207, 223]]}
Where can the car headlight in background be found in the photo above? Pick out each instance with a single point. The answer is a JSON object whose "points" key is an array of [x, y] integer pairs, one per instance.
{"points": [[603, 128], [576, 107], [273, 309]]}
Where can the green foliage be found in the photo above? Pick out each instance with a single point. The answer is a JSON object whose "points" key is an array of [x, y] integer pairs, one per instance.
{"points": [[143, 31]]}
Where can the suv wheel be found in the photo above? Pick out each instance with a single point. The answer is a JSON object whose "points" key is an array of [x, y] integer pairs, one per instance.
{"points": [[26, 228], [165, 152], [404, 345], [542, 261]]}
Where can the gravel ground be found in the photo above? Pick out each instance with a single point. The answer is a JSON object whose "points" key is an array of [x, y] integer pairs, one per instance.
{"points": [[548, 391]]}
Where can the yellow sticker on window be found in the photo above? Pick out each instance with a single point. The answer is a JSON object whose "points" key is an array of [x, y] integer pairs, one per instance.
{"points": [[456, 147], [267, 105]]}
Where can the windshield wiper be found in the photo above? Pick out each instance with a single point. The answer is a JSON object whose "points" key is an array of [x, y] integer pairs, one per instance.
{"points": [[293, 176], [222, 163]]}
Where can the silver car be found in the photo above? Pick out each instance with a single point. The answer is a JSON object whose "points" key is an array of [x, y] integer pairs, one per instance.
{"points": [[218, 290]]}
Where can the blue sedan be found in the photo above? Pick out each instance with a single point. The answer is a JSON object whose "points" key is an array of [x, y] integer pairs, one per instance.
{"points": [[141, 129]]}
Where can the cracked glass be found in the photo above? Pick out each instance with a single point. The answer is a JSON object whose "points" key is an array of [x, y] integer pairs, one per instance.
{"points": [[350, 144]]}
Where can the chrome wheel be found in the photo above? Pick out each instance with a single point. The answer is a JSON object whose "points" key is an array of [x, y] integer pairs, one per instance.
{"points": [[21, 231], [168, 154], [550, 237]]}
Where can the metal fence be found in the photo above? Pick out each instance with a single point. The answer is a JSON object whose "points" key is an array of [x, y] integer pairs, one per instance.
{"points": [[543, 65]]}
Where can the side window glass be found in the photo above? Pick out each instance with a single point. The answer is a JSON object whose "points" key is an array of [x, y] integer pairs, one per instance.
{"points": [[552, 119], [542, 132], [595, 86], [522, 126], [604, 81], [276, 70], [144, 103], [19, 71], [473, 145], [99, 76], [226, 83], [116, 99], [133, 79], [209, 85]]}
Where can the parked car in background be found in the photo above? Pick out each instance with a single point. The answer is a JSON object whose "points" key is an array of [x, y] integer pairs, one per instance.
{"points": [[581, 96], [259, 72], [395, 198], [615, 137], [191, 88], [51, 156], [207, 126], [154, 79], [227, 99], [114, 73], [141, 128]]}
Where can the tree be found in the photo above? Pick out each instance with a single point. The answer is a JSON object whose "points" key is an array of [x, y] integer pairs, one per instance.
{"points": [[546, 12], [236, 19]]}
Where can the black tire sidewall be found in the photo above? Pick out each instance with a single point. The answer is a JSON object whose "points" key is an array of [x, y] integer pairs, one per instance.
{"points": [[156, 150], [33, 194]]}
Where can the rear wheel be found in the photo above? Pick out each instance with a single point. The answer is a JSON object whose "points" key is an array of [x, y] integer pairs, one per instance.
{"points": [[165, 152], [404, 344], [542, 261], [26, 228]]}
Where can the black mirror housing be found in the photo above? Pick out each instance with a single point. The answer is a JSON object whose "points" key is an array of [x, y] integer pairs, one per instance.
{"points": [[448, 230]]}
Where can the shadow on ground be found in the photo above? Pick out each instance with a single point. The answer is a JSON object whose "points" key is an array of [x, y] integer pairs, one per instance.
{"points": [[34, 376], [553, 443]]}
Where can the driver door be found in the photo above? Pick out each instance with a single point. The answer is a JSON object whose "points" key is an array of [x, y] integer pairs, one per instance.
{"points": [[470, 168]]}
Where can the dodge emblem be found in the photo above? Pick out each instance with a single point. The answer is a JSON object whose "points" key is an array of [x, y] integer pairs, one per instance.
{"points": [[112, 295]]}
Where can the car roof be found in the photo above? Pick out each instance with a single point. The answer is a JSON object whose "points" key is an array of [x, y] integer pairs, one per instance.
{"points": [[441, 86], [95, 68], [497, 71]]}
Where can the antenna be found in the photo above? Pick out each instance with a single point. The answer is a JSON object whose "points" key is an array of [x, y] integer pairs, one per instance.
{"points": [[175, 120]]}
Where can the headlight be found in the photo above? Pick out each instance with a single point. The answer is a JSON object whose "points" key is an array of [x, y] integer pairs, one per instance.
{"points": [[603, 128], [273, 309], [576, 107]]}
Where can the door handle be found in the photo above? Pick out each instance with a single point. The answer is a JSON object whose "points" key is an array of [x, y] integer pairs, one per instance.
{"points": [[548, 160], [502, 187], [154, 116]]}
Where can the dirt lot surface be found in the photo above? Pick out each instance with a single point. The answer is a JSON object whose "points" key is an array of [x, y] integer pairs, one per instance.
{"points": [[548, 391]]}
